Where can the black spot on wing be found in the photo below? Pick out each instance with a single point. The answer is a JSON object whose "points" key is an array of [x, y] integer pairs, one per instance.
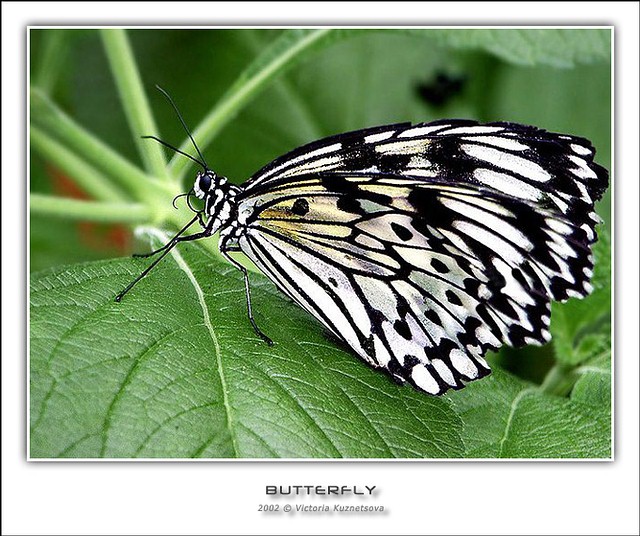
{"points": [[401, 232], [471, 287], [402, 328], [410, 361], [452, 297], [439, 266], [433, 317], [348, 203], [500, 302], [300, 207], [377, 318]]}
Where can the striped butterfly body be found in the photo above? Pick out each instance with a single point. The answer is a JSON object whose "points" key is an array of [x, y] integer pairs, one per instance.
{"points": [[420, 246]]}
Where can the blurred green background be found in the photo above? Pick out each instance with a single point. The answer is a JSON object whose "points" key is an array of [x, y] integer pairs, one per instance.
{"points": [[371, 78]]}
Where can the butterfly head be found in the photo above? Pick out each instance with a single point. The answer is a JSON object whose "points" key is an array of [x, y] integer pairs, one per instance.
{"points": [[217, 193], [206, 181]]}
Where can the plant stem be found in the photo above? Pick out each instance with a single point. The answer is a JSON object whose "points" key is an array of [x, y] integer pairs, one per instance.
{"points": [[53, 55], [76, 139], [489, 69], [559, 380], [280, 55], [96, 211], [85, 175], [134, 100]]}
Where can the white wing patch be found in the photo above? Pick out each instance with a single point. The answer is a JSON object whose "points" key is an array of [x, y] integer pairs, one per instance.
{"points": [[502, 143], [516, 164], [507, 183], [373, 138]]}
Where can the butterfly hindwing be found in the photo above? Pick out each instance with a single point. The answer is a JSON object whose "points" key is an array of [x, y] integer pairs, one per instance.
{"points": [[424, 246]]}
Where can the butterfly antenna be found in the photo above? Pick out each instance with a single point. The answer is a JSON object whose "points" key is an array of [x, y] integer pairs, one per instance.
{"points": [[186, 128], [168, 145]]}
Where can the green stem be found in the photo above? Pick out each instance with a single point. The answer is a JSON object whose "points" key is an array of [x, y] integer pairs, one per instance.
{"points": [[487, 70], [46, 115], [53, 55], [96, 211], [275, 59], [134, 99], [560, 380], [85, 175]]}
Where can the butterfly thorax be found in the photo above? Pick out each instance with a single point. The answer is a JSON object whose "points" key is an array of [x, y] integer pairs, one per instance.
{"points": [[219, 196]]}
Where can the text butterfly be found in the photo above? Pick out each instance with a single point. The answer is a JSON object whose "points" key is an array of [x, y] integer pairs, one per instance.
{"points": [[420, 246]]}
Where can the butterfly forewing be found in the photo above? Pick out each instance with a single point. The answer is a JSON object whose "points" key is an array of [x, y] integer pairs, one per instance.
{"points": [[424, 246]]}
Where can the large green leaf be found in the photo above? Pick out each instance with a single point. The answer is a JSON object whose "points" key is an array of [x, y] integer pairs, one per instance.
{"points": [[508, 418], [175, 370], [594, 385], [557, 47]]}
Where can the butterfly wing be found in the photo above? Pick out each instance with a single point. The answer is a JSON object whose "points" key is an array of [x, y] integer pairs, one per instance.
{"points": [[518, 160], [423, 247]]}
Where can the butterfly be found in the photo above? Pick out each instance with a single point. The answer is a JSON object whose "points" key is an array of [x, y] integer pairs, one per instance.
{"points": [[420, 246]]}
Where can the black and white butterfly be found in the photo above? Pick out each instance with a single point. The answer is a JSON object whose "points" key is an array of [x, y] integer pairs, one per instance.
{"points": [[420, 246]]}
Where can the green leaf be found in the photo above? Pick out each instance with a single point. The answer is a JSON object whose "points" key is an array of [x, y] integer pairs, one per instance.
{"points": [[547, 427], [593, 386], [507, 418], [175, 370], [559, 48]]}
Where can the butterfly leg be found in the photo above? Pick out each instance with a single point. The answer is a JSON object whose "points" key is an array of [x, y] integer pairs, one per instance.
{"points": [[173, 241], [225, 249], [166, 249]]}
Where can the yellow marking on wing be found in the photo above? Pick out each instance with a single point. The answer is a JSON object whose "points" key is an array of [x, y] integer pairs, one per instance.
{"points": [[321, 208], [279, 211], [298, 227]]}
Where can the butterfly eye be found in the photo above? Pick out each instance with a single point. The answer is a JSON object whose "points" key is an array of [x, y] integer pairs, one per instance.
{"points": [[205, 182]]}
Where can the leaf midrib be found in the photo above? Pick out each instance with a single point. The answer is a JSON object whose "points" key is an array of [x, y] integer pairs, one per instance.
{"points": [[212, 334]]}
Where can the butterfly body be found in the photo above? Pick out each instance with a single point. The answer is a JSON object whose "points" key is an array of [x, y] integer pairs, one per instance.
{"points": [[420, 246]]}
